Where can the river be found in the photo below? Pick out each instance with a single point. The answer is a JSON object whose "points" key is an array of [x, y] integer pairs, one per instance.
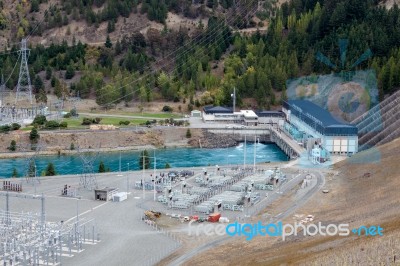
{"points": [[177, 157]]}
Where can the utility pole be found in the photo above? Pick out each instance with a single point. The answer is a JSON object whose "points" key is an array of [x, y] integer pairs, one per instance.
{"points": [[2, 90], [234, 98], [24, 86], [143, 158], [154, 175], [43, 214], [244, 153], [255, 147], [127, 180]]}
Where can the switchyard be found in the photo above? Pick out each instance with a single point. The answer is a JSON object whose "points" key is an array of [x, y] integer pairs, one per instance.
{"points": [[229, 190]]}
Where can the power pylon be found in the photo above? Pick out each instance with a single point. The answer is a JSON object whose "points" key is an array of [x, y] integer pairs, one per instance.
{"points": [[88, 178], [2, 90], [24, 87]]}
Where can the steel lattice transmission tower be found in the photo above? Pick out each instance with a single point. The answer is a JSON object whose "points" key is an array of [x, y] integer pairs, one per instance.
{"points": [[24, 87], [88, 178]]}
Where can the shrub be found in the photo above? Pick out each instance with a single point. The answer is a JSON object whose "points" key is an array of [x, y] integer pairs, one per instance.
{"points": [[5, 129], [15, 126], [13, 146], [87, 121], [67, 115], [50, 170], [188, 134], [96, 120], [167, 108], [63, 124], [39, 120], [52, 124], [34, 135], [125, 123]]}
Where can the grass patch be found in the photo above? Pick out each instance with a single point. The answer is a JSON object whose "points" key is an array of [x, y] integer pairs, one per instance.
{"points": [[74, 123], [147, 115]]}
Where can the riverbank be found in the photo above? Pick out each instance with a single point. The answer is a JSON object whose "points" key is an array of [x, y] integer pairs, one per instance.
{"points": [[67, 142]]}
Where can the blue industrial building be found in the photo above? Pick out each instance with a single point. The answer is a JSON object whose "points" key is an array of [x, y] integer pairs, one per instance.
{"points": [[307, 121]]}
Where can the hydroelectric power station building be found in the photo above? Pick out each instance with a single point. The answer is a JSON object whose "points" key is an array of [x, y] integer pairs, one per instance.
{"points": [[308, 124]]}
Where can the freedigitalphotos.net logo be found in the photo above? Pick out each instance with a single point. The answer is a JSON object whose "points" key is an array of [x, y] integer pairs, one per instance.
{"points": [[249, 231]]}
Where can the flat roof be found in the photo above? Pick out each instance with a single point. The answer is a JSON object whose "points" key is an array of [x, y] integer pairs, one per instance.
{"points": [[217, 109], [106, 189], [269, 113], [315, 115], [248, 113]]}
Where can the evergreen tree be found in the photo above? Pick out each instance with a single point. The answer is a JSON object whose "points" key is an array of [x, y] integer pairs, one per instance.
{"points": [[108, 42], [13, 146], [102, 167], [32, 169], [35, 6], [70, 73], [167, 166], [50, 170], [48, 73], [144, 158], [188, 133], [38, 84], [14, 173], [34, 136]]}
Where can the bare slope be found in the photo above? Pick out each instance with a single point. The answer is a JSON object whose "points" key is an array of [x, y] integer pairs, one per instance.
{"points": [[353, 199]]}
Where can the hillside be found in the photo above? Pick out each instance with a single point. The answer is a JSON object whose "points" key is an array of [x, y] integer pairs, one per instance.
{"points": [[124, 53], [352, 199]]}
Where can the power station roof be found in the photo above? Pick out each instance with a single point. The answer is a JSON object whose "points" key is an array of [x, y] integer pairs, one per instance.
{"points": [[318, 117], [270, 113], [217, 110]]}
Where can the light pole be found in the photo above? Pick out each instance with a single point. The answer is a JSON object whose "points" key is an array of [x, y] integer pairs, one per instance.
{"points": [[244, 153], [254, 159], [127, 180], [154, 175], [234, 99], [120, 173], [143, 161]]}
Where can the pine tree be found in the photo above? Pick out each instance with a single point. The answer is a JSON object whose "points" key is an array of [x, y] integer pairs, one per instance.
{"points": [[108, 42], [32, 169], [167, 166], [13, 146], [48, 73], [188, 134], [50, 170], [144, 155], [14, 173], [34, 135], [102, 167]]}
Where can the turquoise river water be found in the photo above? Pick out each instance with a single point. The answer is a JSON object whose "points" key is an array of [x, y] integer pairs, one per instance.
{"points": [[177, 157]]}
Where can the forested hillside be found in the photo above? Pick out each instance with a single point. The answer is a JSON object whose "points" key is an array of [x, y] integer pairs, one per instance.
{"points": [[199, 62]]}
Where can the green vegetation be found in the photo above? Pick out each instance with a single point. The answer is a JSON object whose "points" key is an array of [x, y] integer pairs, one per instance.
{"points": [[13, 146], [8, 128], [34, 136], [39, 120], [102, 167], [188, 133], [144, 160], [258, 65], [5, 129], [167, 166], [50, 170], [32, 169], [14, 173]]}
